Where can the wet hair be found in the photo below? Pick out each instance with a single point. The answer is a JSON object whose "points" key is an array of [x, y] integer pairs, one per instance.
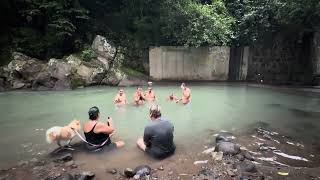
{"points": [[155, 111], [93, 113]]}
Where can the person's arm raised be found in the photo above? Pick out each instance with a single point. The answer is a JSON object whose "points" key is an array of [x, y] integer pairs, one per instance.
{"points": [[106, 128]]}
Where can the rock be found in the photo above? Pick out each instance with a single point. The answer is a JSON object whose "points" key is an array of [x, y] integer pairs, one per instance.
{"points": [[17, 56], [248, 156], [217, 156], [240, 157], [247, 166], [26, 70], [129, 173], [228, 148], [264, 147], [221, 138], [85, 72], [161, 168], [113, 77], [86, 175], [73, 61], [244, 178], [65, 177], [208, 151], [207, 174], [132, 81], [43, 81], [62, 84], [104, 50], [59, 69], [97, 76], [69, 163], [142, 171], [231, 173], [112, 171], [18, 85], [65, 157]]}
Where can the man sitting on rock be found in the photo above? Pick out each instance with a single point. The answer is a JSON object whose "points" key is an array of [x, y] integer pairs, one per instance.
{"points": [[158, 135]]}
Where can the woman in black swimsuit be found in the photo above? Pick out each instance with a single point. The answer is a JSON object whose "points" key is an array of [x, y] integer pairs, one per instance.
{"points": [[98, 133]]}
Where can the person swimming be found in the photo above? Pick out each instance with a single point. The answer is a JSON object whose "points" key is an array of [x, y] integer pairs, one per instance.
{"points": [[97, 133], [150, 95], [138, 97], [172, 97], [120, 98], [186, 94]]}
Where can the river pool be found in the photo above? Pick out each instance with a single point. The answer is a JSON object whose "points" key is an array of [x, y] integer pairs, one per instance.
{"points": [[26, 115]]}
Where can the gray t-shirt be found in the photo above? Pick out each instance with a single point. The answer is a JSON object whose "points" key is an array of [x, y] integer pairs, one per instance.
{"points": [[158, 137]]}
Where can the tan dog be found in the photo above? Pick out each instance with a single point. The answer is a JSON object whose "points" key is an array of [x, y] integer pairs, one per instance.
{"points": [[65, 133]]}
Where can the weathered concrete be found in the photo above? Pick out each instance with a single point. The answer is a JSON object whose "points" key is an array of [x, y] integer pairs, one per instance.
{"points": [[316, 54], [181, 63], [282, 59]]}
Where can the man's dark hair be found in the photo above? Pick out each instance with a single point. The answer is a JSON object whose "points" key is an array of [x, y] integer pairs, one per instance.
{"points": [[93, 113]]}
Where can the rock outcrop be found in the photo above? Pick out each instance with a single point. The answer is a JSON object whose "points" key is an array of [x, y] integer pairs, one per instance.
{"points": [[68, 73]]}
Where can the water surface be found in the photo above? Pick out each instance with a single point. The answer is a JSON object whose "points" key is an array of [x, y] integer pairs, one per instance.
{"points": [[26, 115]]}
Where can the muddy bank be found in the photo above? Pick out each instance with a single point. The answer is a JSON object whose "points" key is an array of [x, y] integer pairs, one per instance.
{"points": [[258, 152]]}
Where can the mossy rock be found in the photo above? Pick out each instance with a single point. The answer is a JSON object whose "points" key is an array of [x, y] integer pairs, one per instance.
{"points": [[77, 81]]}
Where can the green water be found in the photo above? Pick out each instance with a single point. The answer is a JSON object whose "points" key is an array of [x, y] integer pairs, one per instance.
{"points": [[26, 115]]}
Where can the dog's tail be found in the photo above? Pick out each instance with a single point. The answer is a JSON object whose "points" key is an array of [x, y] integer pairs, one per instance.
{"points": [[52, 133]]}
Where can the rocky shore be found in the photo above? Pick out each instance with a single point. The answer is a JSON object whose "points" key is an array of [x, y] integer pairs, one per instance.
{"points": [[24, 72], [256, 154]]}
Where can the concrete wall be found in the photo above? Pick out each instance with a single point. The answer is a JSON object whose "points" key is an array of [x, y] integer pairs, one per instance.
{"points": [[181, 63], [283, 58], [316, 54]]}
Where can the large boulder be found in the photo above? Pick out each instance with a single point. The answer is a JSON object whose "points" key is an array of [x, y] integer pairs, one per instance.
{"points": [[43, 81], [104, 50], [17, 56], [74, 61], [97, 76], [59, 69], [85, 73], [24, 67], [113, 77], [62, 84], [2, 84], [132, 81], [18, 85], [228, 148]]}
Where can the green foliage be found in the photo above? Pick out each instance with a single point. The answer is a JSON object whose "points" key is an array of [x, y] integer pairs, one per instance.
{"points": [[53, 28], [131, 72], [191, 23], [88, 54]]}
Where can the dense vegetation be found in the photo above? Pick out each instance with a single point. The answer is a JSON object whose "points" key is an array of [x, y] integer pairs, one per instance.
{"points": [[53, 28]]}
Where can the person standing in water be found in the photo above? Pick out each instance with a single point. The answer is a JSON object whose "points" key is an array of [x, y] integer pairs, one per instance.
{"points": [[120, 98], [150, 95], [186, 94], [138, 97], [98, 134], [157, 140]]}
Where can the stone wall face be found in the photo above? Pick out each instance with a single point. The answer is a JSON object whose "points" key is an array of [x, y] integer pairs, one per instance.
{"points": [[316, 54], [181, 63], [282, 59]]}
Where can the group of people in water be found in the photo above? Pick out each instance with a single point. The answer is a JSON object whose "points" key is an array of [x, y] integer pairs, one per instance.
{"points": [[157, 140], [141, 97]]}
